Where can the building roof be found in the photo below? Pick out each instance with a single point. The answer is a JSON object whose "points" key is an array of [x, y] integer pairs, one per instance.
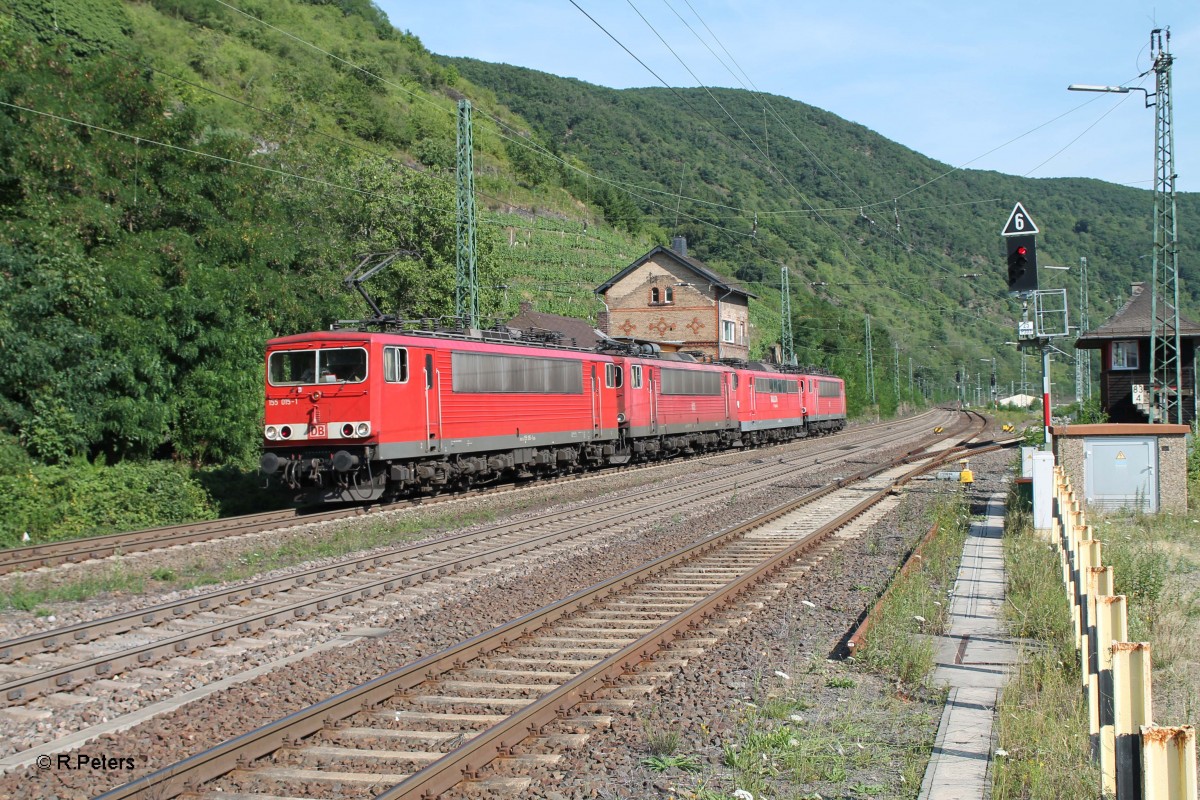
{"points": [[1132, 321], [695, 265], [577, 332]]}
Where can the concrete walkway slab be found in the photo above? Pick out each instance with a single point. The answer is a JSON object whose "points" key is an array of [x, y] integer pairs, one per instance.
{"points": [[974, 658]]}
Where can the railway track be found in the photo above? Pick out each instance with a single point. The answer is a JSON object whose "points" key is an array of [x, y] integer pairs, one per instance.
{"points": [[72, 551], [501, 704], [63, 659]]}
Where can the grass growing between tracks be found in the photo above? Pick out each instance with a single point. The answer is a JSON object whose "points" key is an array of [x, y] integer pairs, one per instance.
{"points": [[855, 729], [860, 742], [255, 557], [918, 602], [1042, 724]]}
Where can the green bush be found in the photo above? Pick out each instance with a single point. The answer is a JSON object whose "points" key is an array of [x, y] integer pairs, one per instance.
{"points": [[85, 499]]}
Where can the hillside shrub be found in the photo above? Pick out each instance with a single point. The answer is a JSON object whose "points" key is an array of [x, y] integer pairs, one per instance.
{"points": [[82, 498]]}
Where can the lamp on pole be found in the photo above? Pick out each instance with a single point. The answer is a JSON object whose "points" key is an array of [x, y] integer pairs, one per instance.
{"points": [[1166, 370]]}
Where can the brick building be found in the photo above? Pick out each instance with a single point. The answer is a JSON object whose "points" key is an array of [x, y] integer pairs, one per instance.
{"points": [[670, 298], [1124, 345]]}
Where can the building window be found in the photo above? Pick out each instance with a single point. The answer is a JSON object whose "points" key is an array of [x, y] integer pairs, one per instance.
{"points": [[654, 296], [727, 329], [669, 295], [1125, 355]]}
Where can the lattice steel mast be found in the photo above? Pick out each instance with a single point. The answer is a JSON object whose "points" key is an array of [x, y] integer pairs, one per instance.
{"points": [[466, 278], [870, 362], [1166, 372], [786, 339]]}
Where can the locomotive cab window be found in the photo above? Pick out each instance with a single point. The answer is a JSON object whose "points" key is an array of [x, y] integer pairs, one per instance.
{"points": [[395, 365], [612, 376], [331, 365], [344, 365], [635, 376]]}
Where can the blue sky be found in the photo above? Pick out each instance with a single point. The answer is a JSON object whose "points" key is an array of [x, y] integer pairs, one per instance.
{"points": [[951, 80]]}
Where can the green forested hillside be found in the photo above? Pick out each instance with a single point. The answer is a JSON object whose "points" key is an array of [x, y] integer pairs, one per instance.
{"points": [[182, 179], [828, 196]]}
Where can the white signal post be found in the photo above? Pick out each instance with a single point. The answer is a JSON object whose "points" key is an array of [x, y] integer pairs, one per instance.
{"points": [[1021, 224]]}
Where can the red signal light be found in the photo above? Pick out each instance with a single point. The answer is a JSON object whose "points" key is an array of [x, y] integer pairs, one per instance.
{"points": [[1021, 251]]}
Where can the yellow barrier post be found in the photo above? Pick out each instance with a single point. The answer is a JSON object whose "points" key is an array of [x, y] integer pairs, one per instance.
{"points": [[1131, 710], [1083, 565], [1168, 762], [1094, 588], [1111, 627], [1087, 610]]}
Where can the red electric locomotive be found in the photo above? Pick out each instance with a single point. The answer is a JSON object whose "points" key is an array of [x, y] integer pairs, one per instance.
{"points": [[358, 416], [672, 404], [354, 416], [824, 403]]}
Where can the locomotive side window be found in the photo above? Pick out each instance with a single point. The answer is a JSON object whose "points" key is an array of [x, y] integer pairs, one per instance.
{"points": [[489, 373], [635, 376], [735, 381], [828, 389], [395, 365], [331, 365], [690, 382], [612, 376], [774, 386]]}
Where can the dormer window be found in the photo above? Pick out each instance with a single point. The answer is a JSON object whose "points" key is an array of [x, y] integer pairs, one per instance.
{"points": [[655, 296]]}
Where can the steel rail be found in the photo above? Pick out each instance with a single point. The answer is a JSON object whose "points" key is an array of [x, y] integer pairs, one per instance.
{"points": [[63, 677], [69, 551], [192, 772]]}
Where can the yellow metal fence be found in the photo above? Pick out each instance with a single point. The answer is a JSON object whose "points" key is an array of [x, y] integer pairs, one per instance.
{"points": [[1138, 759]]}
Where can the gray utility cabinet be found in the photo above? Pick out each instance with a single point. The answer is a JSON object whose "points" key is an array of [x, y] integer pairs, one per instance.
{"points": [[1121, 472]]}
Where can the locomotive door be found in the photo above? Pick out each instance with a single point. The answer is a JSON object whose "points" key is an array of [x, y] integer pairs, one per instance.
{"points": [[653, 398], [597, 400], [433, 407]]}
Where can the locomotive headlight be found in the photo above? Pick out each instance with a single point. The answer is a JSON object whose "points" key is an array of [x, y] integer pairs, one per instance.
{"points": [[364, 428], [285, 432], [272, 432], [347, 430]]}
